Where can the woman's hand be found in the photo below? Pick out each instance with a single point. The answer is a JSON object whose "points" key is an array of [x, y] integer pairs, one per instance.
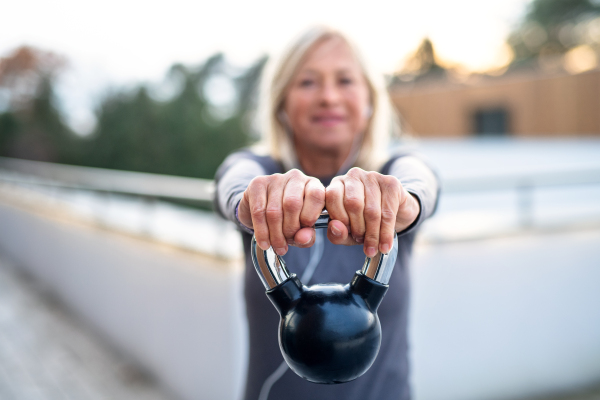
{"points": [[367, 207], [282, 208]]}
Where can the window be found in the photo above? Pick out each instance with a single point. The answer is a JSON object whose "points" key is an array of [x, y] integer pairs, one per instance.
{"points": [[491, 122]]}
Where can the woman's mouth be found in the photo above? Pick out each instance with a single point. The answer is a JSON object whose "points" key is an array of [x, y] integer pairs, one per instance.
{"points": [[328, 120]]}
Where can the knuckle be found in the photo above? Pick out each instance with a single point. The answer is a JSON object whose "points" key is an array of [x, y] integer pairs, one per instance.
{"points": [[373, 178], [292, 203], [332, 194], [315, 194], [373, 175], [271, 179], [372, 212], [305, 220], [289, 233], [257, 210], [258, 181], [392, 180], [278, 242], [294, 173], [273, 212], [355, 172], [385, 236], [388, 216], [386, 239], [353, 204], [357, 231], [391, 183], [371, 239]]}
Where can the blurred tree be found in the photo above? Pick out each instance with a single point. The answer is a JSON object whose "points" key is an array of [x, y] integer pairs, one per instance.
{"points": [[178, 136], [423, 61], [549, 13], [423, 64], [248, 84], [31, 127], [22, 73], [552, 27]]}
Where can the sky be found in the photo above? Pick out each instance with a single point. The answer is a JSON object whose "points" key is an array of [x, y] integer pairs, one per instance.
{"points": [[115, 43]]}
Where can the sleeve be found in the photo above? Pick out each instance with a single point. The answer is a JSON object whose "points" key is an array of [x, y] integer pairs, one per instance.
{"points": [[231, 180], [421, 181]]}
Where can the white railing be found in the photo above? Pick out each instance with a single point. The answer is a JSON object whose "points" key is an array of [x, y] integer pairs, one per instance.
{"points": [[107, 180], [523, 182]]}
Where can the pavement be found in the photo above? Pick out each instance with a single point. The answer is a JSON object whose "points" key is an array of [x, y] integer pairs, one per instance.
{"points": [[47, 353]]}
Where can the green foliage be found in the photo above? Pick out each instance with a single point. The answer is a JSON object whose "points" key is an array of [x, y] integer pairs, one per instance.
{"points": [[180, 136], [552, 27], [549, 13], [36, 131]]}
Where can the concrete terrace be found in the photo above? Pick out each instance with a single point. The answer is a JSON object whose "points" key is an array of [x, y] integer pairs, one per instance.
{"points": [[48, 353]]}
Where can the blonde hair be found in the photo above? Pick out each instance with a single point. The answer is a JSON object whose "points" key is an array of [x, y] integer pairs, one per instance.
{"points": [[277, 142]]}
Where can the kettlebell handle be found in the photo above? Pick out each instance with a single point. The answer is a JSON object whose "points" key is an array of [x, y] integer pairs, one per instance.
{"points": [[272, 270]]}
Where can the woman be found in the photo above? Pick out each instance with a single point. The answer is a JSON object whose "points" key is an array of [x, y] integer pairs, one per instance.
{"points": [[328, 127]]}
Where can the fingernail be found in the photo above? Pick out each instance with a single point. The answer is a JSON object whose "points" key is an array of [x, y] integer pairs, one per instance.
{"points": [[385, 248], [307, 242], [371, 251], [359, 239], [335, 231], [264, 245], [281, 251], [290, 242]]}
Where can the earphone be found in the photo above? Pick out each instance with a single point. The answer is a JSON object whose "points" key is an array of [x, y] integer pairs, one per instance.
{"points": [[283, 118], [284, 121]]}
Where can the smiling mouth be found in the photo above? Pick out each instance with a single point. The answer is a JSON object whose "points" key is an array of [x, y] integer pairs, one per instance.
{"points": [[328, 120]]}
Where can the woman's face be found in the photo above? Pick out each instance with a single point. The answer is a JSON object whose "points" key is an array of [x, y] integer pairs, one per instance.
{"points": [[327, 103]]}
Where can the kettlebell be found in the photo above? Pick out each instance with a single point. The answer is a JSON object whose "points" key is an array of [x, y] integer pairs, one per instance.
{"points": [[328, 332]]}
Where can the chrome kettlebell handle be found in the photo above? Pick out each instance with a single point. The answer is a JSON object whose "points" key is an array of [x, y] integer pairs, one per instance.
{"points": [[272, 270]]}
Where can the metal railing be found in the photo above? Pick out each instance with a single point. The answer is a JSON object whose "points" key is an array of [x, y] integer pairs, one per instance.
{"points": [[531, 178], [107, 180], [524, 183]]}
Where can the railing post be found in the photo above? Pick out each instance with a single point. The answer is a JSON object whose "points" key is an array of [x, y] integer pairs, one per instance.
{"points": [[525, 203], [150, 206]]}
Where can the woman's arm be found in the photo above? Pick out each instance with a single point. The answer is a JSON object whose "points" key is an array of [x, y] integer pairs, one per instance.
{"points": [[421, 182], [231, 180]]}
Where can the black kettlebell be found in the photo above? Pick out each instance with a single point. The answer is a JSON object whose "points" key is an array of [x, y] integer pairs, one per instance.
{"points": [[328, 332]]}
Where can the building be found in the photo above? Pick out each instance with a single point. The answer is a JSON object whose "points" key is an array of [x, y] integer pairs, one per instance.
{"points": [[525, 102]]}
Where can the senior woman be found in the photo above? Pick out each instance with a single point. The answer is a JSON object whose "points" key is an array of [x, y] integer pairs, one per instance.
{"points": [[329, 122]]}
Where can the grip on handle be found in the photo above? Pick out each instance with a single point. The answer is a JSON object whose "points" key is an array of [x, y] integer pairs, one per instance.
{"points": [[323, 220]]}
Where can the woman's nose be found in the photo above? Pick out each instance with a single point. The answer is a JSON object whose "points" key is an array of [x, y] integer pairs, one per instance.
{"points": [[330, 94]]}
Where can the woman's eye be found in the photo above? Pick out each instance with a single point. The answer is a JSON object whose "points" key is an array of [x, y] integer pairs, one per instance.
{"points": [[346, 81], [306, 82]]}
